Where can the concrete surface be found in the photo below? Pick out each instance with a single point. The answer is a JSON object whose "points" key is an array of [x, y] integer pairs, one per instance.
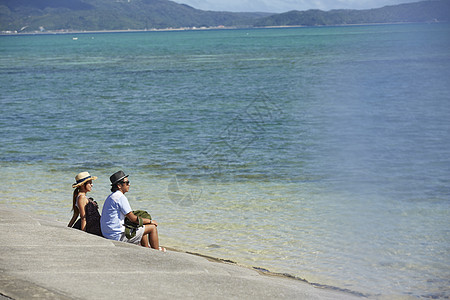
{"points": [[44, 259]]}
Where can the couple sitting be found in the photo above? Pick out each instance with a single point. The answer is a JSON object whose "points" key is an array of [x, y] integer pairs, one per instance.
{"points": [[111, 225]]}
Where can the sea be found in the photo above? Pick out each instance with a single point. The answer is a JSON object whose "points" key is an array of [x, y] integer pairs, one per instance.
{"points": [[321, 153]]}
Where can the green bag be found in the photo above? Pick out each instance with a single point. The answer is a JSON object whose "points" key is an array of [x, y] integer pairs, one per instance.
{"points": [[131, 227]]}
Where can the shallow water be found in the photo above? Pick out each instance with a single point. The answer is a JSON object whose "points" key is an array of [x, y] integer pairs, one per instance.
{"points": [[319, 152]]}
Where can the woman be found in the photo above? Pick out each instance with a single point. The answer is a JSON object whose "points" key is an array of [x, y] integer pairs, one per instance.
{"points": [[86, 208]]}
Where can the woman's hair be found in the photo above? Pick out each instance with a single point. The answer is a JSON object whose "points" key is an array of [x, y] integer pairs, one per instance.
{"points": [[75, 196]]}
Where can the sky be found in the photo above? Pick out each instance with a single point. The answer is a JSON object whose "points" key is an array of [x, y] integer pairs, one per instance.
{"points": [[279, 6]]}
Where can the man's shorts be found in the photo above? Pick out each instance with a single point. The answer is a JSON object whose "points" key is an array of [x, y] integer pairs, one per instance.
{"points": [[134, 240]]}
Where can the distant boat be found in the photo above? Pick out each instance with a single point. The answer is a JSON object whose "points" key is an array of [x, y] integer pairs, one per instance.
{"points": [[74, 38]]}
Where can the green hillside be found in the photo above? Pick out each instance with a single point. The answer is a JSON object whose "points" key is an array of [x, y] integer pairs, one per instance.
{"points": [[31, 15], [418, 12], [80, 15]]}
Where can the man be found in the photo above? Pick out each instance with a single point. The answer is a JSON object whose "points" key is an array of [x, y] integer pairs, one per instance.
{"points": [[117, 207]]}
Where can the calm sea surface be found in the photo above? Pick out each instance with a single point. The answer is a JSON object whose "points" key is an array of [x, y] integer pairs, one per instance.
{"points": [[323, 153]]}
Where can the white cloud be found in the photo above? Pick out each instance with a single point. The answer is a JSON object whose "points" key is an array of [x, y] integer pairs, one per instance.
{"points": [[279, 6]]}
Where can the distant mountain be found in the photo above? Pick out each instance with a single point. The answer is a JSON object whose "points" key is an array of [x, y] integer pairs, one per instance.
{"points": [[32, 15], [418, 12], [86, 15]]}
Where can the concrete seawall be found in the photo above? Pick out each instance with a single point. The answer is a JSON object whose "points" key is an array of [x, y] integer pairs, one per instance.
{"points": [[46, 260]]}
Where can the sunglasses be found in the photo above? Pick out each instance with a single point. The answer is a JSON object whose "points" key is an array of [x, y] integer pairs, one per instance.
{"points": [[126, 182]]}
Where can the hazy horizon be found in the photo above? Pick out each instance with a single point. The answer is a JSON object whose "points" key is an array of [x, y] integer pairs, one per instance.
{"points": [[280, 6]]}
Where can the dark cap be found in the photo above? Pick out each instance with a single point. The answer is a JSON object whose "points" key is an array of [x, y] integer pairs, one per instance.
{"points": [[118, 176]]}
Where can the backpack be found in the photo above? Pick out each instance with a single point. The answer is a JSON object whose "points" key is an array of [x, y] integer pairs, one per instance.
{"points": [[130, 227], [92, 218]]}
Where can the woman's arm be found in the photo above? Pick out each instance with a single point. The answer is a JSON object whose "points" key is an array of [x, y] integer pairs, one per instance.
{"points": [[82, 201]]}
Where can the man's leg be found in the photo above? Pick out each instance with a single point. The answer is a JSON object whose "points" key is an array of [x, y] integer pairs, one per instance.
{"points": [[150, 237]]}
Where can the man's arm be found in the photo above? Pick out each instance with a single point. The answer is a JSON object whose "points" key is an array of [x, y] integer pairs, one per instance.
{"points": [[133, 218]]}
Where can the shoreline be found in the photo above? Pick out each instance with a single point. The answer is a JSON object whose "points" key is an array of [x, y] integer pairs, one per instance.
{"points": [[266, 272], [180, 29], [54, 247], [69, 31]]}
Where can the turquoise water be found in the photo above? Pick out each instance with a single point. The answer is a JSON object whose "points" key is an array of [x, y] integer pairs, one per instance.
{"points": [[323, 153]]}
